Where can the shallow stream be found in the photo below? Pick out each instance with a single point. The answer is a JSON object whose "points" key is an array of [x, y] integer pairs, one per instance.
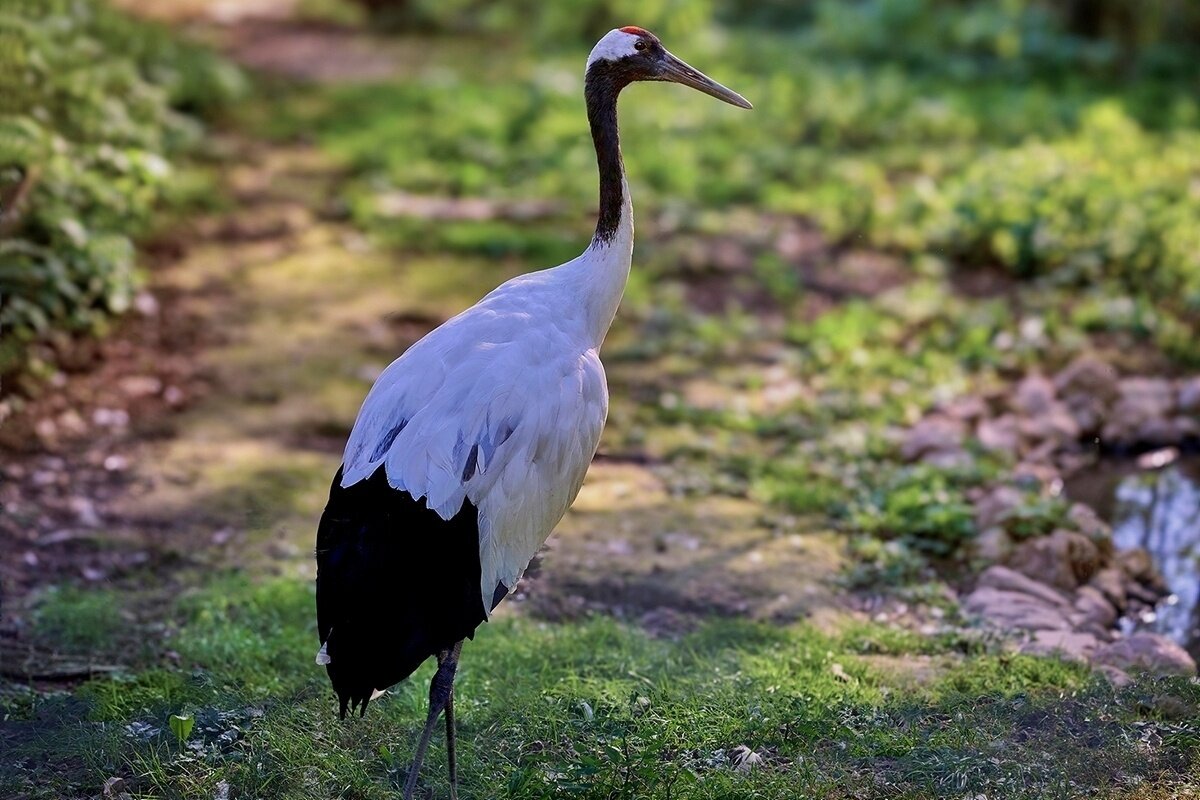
{"points": [[1158, 509]]}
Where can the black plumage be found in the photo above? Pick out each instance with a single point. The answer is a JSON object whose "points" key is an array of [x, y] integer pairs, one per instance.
{"points": [[396, 584]]}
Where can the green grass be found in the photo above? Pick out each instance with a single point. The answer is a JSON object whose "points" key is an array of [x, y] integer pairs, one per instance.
{"points": [[600, 709]]}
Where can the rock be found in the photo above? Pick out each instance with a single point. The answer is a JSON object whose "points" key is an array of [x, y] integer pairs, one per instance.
{"points": [[1008, 580], [967, 408], [1082, 551], [1137, 563], [931, 435], [1119, 678], [994, 508], [1185, 427], [1033, 396], [956, 459], [1008, 610], [85, 512], [1034, 475], [1139, 592], [1151, 652], [1064, 559], [1111, 583], [1000, 434], [1189, 396], [1095, 607], [1087, 375], [1157, 459], [1088, 522], [146, 304], [1071, 645], [1161, 430], [140, 385], [1087, 386], [1140, 414], [993, 545], [1055, 424]]}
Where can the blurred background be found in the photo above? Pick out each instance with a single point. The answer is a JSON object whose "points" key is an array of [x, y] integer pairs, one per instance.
{"points": [[898, 495]]}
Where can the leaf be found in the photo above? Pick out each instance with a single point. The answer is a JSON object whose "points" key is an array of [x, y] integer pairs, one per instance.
{"points": [[181, 726]]}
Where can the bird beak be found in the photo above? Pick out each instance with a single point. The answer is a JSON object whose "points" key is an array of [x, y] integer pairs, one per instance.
{"points": [[677, 70]]}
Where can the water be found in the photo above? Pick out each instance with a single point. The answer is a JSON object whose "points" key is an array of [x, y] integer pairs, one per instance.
{"points": [[1159, 510]]}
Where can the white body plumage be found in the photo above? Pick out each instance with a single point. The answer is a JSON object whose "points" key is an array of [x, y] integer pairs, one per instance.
{"points": [[502, 405]]}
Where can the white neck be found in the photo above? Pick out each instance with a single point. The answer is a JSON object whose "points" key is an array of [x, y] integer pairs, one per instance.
{"points": [[603, 271]]}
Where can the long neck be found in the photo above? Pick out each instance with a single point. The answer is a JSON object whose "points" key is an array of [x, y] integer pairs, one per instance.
{"points": [[606, 261], [600, 90]]}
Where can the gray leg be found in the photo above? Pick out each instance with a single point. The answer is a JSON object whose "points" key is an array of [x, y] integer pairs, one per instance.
{"points": [[450, 745], [441, 690]]}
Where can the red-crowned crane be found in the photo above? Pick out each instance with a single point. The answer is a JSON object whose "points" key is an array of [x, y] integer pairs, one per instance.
{"points": [[471, 446]]}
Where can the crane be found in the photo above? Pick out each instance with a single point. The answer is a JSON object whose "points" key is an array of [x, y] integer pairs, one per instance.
{"points": [[470, 446]]}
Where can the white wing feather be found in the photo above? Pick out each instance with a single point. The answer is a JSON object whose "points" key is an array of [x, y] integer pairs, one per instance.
{"points": [[502, 405]]}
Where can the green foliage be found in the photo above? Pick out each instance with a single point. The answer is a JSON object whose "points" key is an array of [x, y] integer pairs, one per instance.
{"points": [[181, 725], [1093, 207], [550, 24], [879, 563], [921, 507], [90, 117], [1037, 516]]}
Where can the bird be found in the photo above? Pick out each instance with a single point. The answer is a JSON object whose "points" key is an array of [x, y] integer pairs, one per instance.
{"points": [[471, 446]]}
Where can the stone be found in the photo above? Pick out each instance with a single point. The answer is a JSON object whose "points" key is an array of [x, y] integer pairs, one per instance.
{"points": [[1136, 563], [1070, 645], [1141, 593], [1082, 552], [967, 408], [999, 435], [930, 435], [1140, 414], [1111, 583], [1087, 375], [1054, 424], [140, 385], [1064, 559], [1119, 678], [993, 509], [1088, 522], [956, 459], [1086, 387], [992, 545], [1151, 652], [1009, 610], [1035, 475], [1009, 580], [1158, 431], [1034, 395], [1095, 607], [1189, 396]]}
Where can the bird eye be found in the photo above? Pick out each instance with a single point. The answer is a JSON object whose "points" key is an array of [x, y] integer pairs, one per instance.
{"points": [[639, 45]]}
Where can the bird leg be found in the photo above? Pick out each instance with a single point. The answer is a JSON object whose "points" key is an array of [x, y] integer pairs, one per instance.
{"points": [[441, 692], [450, 759]]}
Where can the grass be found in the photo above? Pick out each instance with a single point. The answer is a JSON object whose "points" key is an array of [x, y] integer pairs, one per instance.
{"points": [[598, 709]]}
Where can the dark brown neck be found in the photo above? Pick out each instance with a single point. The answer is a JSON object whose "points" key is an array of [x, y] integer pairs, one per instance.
{"points": [[605, 80]]}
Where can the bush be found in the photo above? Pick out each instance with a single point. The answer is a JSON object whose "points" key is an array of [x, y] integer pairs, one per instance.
{"points": [[93, 106]]}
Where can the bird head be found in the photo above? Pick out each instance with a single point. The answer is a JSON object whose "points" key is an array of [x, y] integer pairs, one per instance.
{"points": [[629, 54]]}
